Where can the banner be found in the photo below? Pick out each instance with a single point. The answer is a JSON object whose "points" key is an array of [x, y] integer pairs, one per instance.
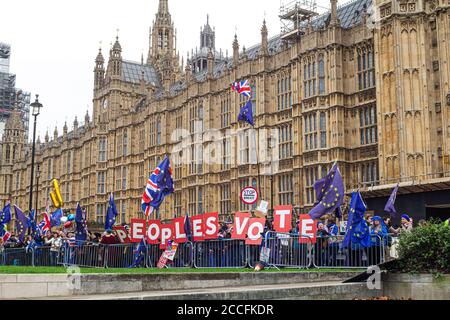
{"points": [[307, 229], [122, 234], [282, 218], [203, 227], [255, 230], [240, 226]]}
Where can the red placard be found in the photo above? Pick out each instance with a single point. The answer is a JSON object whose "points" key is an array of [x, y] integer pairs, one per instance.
{"points": [[197, 228], [153, 231], [210, 225], [307, 229], [166, 235], [240, 226], [282, 218], [178, 228], [137, 230], [255, 229], [122, 234]]}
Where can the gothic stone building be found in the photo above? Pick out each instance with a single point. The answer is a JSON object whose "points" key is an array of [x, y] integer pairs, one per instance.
{"points": [[366, 84]]}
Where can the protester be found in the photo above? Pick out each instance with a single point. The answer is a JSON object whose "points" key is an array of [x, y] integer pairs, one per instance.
{"points": [[109, 238], [55, 244], [378, 233]]}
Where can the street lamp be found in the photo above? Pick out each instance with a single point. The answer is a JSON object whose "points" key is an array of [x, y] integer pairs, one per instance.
{"points": [[35, 111], [38, 174], [270, 147]]}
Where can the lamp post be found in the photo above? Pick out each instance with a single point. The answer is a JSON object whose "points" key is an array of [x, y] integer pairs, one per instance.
{"points": [[35, 109], [38, 174], [271, 176]]}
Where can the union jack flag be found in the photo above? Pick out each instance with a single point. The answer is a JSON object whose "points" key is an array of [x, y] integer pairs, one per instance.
{"points": [[158, 187], [242, 88], [45, 224]]}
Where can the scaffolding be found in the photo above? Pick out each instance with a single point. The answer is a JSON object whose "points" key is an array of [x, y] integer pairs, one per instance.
{"points": [[11, 97], [293, 16]]}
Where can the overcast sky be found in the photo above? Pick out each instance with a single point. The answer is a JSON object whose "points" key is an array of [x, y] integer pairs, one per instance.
{"points": [[54, 42]]}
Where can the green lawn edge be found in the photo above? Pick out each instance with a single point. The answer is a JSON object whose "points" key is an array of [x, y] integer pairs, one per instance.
{"points": [[60, 270]]}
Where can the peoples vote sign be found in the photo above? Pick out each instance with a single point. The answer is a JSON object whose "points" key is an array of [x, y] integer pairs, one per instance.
{"points": [[206, 227]]}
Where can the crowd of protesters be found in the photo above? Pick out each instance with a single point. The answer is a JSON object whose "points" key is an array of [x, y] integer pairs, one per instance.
{"points": [[285, 251]]}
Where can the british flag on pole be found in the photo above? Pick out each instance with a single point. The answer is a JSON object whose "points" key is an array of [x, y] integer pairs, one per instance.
{"points": [[159, 185], [242, 87]]}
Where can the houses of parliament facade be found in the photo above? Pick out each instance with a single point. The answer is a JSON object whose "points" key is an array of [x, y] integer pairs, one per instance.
{"points": [[365, 84]]}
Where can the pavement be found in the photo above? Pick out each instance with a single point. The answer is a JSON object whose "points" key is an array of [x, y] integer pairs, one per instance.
{"points": [[304, 291]]}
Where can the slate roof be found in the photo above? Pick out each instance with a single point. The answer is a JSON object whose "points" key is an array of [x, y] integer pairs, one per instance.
{"points": [[132, 72]]}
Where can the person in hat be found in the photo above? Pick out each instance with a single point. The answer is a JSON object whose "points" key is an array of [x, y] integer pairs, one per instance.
{"points": [[407, 223], [378, 236]]}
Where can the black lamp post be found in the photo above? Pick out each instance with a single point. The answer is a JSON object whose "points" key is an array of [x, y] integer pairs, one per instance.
{"points": [[271, 176], [35, 109], [38, 174]]}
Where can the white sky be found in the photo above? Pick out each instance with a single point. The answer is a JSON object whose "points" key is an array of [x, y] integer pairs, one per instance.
{"points": [[54, 42]]}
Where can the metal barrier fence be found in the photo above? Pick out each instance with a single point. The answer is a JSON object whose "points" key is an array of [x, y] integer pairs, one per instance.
{"points": [[226, 253], [285, 250], [279, 250], [17, 257], [330, 253]]}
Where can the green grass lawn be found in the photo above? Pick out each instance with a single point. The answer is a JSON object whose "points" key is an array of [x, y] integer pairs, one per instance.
{"points": [[47, 270]]}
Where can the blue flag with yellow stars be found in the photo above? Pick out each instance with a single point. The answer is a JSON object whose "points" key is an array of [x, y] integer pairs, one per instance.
{"points": [[111, 214], [5, 214], [357, 229], [22, 223], [329, 192], [139, 254], [246, 114], [81, 227]]}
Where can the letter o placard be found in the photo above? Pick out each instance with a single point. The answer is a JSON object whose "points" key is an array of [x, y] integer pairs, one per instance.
{"points": [[249, 195]]}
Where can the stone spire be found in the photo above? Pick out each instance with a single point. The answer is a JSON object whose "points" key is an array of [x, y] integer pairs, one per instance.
{"points": [[334, 19], [87, 119], [163, 6], [65, 129], [235, 51], [99, 71], [264, 39], [115, 60]]}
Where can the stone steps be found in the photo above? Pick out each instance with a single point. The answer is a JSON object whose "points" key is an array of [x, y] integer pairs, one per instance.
{"points": [[299, 291]]}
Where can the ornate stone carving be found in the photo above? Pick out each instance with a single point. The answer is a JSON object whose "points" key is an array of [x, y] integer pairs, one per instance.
{"points": [[448, 99]]}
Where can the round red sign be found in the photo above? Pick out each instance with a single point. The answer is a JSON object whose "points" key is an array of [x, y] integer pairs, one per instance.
{"points": [[249, 195]]}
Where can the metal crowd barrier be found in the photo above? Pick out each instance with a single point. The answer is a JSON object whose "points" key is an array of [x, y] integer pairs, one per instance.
{"points": [[330, 253], [226, 253], [253, 255], [285, 250], [278, 250], [17, 257]]}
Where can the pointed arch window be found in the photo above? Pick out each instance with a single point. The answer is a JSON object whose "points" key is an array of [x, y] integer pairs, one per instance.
{"points": [[125, 142]]}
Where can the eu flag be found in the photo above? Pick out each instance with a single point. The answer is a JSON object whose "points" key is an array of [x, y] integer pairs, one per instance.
{"points": [[357, 229], [81, 228], [187, 228], [55, 219], [139, 254], [5, 214], [158, 187], [111, 214], [330, 193], [22, 223], [32, 222], [390, 205], [246, 114]]}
